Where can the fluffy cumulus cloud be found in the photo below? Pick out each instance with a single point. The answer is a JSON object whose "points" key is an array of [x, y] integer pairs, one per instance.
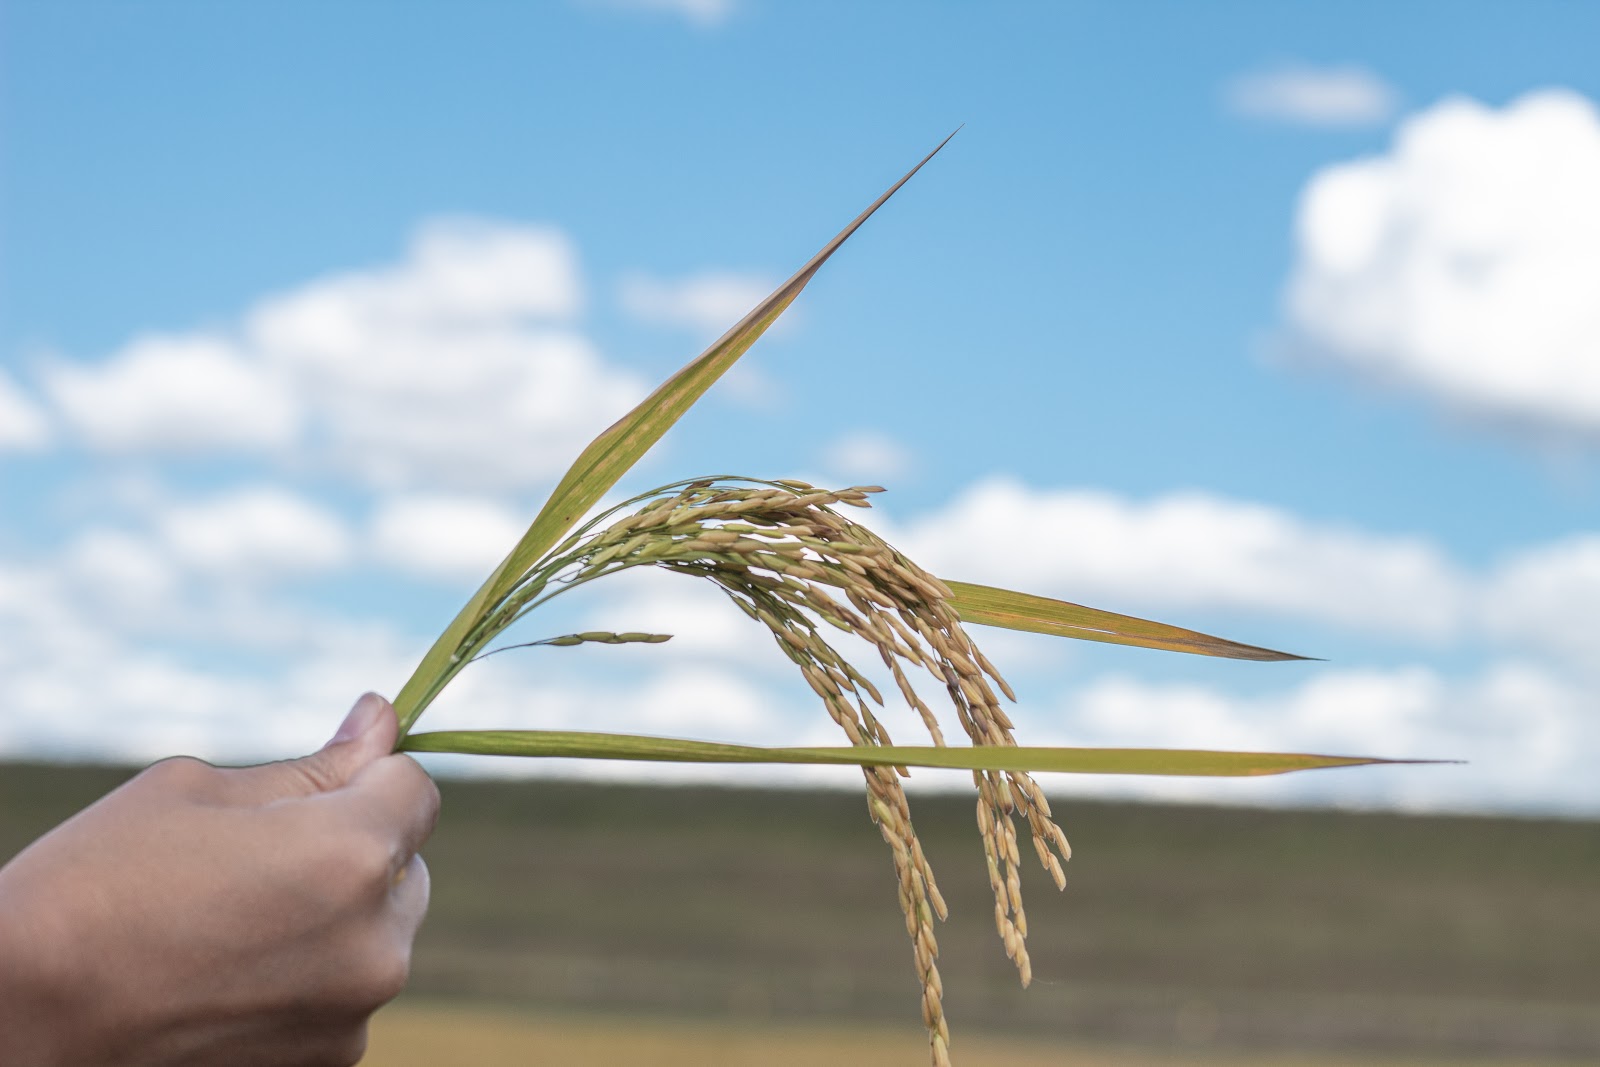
{"points": [[1521, 728], [148, 696], [129, 643], [458, 366], [1189, 550], [206, 609], [1308, 95], [227, 572], [448, 538], [708, 304], [120, 569], [23, 424], [255, 534], [152, 607], [177, 394], [1519, 715], [1545, 597], [76, 687], [1194, 551], [1464, 263]]}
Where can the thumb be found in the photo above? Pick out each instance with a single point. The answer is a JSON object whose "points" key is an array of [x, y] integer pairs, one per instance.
{"points": [[369, 729], [367, 734]]}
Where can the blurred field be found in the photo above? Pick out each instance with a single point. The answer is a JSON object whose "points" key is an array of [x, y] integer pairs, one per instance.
{"points": [[430, 1035], [1184, 931]]}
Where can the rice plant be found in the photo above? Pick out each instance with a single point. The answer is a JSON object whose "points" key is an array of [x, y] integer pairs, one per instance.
{"points": [[789, 558]]}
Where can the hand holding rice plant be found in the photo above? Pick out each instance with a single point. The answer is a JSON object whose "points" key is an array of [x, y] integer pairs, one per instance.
{"points": [[787, 558]]}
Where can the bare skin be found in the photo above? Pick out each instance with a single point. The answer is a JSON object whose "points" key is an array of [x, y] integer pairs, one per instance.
{"points": [[203, 916]]}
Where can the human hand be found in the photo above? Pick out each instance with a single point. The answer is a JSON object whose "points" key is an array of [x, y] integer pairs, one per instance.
{"points": [[201, 915]]}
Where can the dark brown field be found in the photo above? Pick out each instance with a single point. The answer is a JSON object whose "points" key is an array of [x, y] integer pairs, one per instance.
{"points": [[1222, 933]]}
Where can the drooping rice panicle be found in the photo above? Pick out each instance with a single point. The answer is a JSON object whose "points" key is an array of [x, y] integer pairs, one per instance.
{"points": [[781, 552], [789, 561]]}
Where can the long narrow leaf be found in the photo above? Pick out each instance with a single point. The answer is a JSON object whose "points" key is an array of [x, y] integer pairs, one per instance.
{"points": [[616, 450], [988, 606], [1154, 761], [611, 455]]}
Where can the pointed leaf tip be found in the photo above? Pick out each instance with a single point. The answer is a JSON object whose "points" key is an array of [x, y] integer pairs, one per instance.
{"points": [[1141, 761], [609, 456], [621, 445], [988, 606]]}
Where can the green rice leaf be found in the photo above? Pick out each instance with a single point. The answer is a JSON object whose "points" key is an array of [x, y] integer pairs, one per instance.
{"points": [[616, 450], [609, 457], [988, 606], [1152, 761]]}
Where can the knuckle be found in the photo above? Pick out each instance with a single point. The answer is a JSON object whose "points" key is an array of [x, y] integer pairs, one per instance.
{"points": [[386, 976], [427, 791], [366, 862], [315, 775], [182, 774]]}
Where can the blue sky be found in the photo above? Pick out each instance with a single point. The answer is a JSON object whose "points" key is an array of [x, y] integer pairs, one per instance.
{"points": [[1274, 316]]}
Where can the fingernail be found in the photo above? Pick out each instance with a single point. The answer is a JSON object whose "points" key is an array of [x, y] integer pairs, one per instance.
{"points": [[362, 717]]}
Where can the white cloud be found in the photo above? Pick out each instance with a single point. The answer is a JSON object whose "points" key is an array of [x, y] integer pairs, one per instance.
{"points": [[457, 270], [1354, 712], [1313, 96], [1527, 728], [1464, 264], [1189, 550], [23, 424], [448, 538], [179, 393], [145, 698], [486, 408], [699, 705], [708, 304], [1523, 730], [868, 456], [163, 607], [1195, 551], [218, 571], [127, 571], [108, 651], [1546, 598], [705, 625], [255, 535], [456, 367], [707, 14], [139, 702]]}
